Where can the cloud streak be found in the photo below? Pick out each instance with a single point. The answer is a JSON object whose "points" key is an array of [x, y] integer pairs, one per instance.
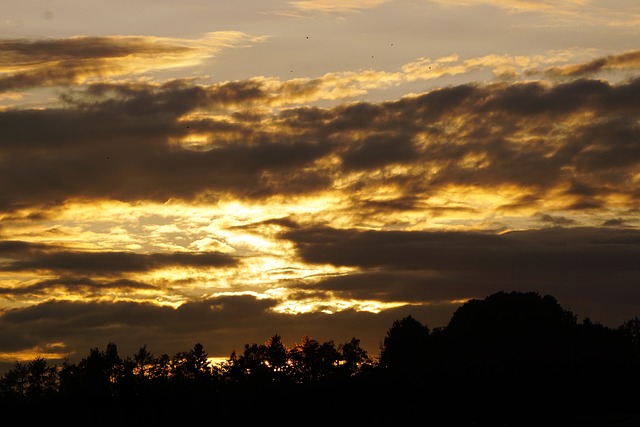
{"points": [[332, 6], [29, 63], [28, 257], [623, 61]]}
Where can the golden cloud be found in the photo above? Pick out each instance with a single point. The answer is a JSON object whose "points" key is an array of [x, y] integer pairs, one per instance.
{"points": [[30, 63], [331, 6]]}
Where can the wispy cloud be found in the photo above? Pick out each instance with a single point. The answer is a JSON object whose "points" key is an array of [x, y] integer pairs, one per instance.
{"points": [[331, 6], [522, 5], [565, 12], [619, 62], [28, 63]]}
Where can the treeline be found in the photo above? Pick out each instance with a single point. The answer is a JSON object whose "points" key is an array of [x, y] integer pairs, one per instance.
{"points": [[510, 359]]}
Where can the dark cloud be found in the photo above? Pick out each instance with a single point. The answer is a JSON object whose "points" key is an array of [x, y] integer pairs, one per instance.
{"points": [[629, 59], [75, 285], [120, 148], [536, 98], [578, 265], [18, 248], [397, 204], [36, 51], [378, 151], [52, 62], [284, 222], [557, 220], [115, 141], [523, 201], [222, 325], [572, 249], [617, 222], [613, 146], [416, 287], [426, 269], [23, 257], [585, 204]]}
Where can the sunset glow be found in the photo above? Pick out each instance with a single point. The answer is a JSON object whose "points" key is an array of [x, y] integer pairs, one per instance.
{"points": [[316, 168]]}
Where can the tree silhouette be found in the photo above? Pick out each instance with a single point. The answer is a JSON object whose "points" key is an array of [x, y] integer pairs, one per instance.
{"points": [[31, 389], [276, 359], [251, 367], [192, 365], [631, 330], [506, 329], [522, 353], [97, 372], [143, 361], [513, 358], [42, 381], [313, 361], [405, 349], [14, 383]]}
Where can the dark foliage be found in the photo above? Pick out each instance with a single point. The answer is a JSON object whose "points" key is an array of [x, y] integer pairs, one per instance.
{"points": [[515, 359]]}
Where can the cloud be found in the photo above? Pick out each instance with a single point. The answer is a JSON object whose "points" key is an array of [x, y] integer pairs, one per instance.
{"points": [[526, 251], [623, 61], [332, 6], [430, 271], [352, 208], [558, 221], [565, 13], [29, 63], [24, 257], [521, 5], [123, 142], [222, 325], [613, 223], [75, 285], [444, 266]]}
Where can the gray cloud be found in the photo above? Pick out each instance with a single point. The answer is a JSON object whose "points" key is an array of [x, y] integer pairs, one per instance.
{"points": [[52, 62], [578, 265], [221, 325], [525, 252], [558, 221], [426, 269], [629, 59], [75, 285], [21, 256], [114, 142], [380, 150]]}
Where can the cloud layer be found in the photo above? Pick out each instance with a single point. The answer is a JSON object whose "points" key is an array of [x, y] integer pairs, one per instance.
{"points": [[165, 212]]}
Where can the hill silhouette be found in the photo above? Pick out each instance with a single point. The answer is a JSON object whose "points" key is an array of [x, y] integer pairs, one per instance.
{"points": [[512, 359]]}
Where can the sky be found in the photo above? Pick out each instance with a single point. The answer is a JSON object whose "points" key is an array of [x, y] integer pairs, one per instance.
{"points": [[181, 172]]}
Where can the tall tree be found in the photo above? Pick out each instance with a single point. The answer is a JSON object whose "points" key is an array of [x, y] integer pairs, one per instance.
{"points": [[631, 330], [14, 383], [42, 379], [405, 348], [95, 374], [353, 357], [314, 362], [276, 357]]}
